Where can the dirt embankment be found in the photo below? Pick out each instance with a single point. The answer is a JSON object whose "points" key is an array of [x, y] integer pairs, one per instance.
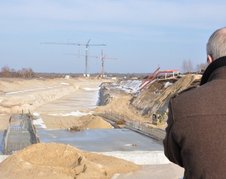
{"points": [[105, 96], [27, 95], [120, 108], [156, 97], [17, 95], [61, 161], [142, 105]]}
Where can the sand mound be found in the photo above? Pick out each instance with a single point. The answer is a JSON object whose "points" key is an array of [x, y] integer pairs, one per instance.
{"points": [[97, 122], [90, 122], [61, 161]]}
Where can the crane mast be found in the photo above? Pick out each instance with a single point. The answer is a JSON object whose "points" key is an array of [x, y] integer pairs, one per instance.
{"points": [[86, 45]]}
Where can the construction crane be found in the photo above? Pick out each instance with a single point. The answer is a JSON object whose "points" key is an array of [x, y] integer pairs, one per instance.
{"points": [[86, 57], [86, 45], [103, 58]]}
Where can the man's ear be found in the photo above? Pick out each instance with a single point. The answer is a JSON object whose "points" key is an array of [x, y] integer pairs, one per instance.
{"points": [[209, 59]]}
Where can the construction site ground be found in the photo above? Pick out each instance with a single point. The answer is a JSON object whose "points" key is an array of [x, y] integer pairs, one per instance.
{"points": [[43, 98]]}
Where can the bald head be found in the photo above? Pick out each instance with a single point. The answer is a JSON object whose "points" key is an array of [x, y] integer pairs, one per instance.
{"points": [[216, 46]]}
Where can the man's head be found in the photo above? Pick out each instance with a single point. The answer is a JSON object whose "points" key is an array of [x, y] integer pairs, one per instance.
{"points": [[216, 46]]}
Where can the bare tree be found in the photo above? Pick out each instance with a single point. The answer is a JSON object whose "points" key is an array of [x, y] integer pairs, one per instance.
{"points": [[5, 71], [187, 66], [26, 73], [201, 67], [23, 73]]}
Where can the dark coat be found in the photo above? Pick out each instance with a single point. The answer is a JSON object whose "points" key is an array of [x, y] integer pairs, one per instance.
{"points": [[196, 133]]}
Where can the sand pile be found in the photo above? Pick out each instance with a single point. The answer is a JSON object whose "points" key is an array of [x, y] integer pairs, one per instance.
{"points": [[61, 161], [78, 123], [120, 108], [90, 122], [97, 122]]}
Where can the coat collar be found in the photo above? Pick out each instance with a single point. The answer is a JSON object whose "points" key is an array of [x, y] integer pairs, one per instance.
{"points": [[217, 69]]}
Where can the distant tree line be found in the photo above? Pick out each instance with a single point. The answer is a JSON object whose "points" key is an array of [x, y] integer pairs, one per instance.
{"points": [[12, 73], [188, 67]]}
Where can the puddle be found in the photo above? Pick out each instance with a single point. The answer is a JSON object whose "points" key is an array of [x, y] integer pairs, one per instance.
{"points": [[101, 140], [120, 143]]}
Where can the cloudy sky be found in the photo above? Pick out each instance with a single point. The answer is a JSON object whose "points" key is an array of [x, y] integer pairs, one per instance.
{"points": [[141, 34]]}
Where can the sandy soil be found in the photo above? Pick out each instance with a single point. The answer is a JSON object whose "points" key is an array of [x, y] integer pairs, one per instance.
{"points": [[75, 123], [165, 171], [120, 105], [152, 100], [63, 162], [17, 95], [4, 121], [96, 122], [58, 160]]}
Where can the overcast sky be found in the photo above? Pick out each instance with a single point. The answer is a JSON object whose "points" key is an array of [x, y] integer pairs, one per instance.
{"points": [[141, 34]]}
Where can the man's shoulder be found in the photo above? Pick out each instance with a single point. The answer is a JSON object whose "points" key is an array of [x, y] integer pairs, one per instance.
{"points": [[184, 102], [185, 91]]}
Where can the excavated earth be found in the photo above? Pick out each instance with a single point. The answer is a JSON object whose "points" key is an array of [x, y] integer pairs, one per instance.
{"points": [[142, 104], [115, 104], [59, 161]]}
